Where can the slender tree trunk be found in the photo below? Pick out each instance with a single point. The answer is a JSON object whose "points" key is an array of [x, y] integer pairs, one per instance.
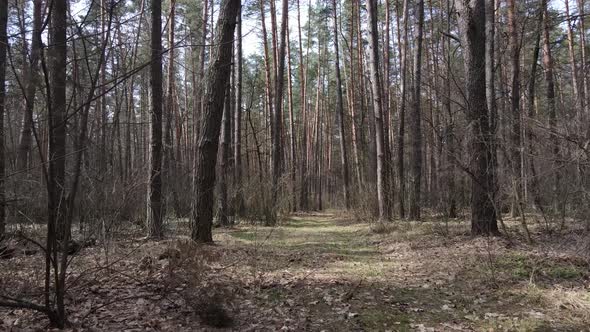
{"points": [[58, 230], [24, 146], [223, 208], [535, 187], [3, 51], [240, 209], [169, 166], [352, 106], [340, 112], [292, 137], [416, 125], [551, 108], [217, 78], [278, 109], [155, 204], [578, 100], [379, 134], [451, 204], [304, 189], [402, 111], [515, 155], [584, 67], [491, 79], [472, 28]]}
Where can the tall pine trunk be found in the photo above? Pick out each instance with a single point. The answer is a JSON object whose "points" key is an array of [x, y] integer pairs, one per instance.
{"points": [[340, 112], [217, 78], [416, 124], [472, 28], [155, 196], [381, 170]]}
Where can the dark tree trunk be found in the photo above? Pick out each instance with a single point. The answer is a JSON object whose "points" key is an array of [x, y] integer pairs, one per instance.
{"points": [[515, 134], [155, 204], [216, 82], [240, 209], [3, 49], [58, 231], [416, 126], [551, 108], [491, 80], [381, 169], [223, 206], [277, 124], [340, 112], [534, 180], [402, 110], [472, 28], [24, 146]]}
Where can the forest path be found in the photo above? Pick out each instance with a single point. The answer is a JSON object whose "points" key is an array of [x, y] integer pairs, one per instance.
{"points": [[325, 271]]}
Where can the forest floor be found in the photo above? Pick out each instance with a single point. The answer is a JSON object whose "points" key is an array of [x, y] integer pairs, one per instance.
{"points": [[321, 271]]}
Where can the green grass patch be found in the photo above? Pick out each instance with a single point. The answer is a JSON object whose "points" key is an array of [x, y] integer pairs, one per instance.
{"points": [[380, 320], [565, 272]]}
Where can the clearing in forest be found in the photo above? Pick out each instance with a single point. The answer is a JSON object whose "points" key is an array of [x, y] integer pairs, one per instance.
{"points": [[324, 271]]}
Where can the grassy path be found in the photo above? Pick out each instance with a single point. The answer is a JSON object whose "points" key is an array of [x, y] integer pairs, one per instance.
{"points": [[324, 272]]}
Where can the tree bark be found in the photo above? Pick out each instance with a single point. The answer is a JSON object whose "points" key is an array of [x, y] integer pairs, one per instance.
{"points": [[217, 77], [155, 204], [403, 50], [340, 112], [515, 134], [472, 29], [277, 167], [416, 125], [381, 170], [3, 50], [240, 208], [24, 146], [551, 107]]}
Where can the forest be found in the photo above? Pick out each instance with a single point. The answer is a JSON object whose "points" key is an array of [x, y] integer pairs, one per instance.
{"points": [[294, 165]]}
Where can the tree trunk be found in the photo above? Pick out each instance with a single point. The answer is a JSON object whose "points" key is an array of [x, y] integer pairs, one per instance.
{"points": [[379, 134], [451, 203], [472, 28], [217, 78], [340, 112], [155, 204], [24, 146], [535, 187], [223, 206], [58, 231], [515, 135], [416, 125], [240, 209], [292, 137], [491, 79], [573, 63], [403, 50], [304, 190], [278, 111], [551, 108], [3, 50]]}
